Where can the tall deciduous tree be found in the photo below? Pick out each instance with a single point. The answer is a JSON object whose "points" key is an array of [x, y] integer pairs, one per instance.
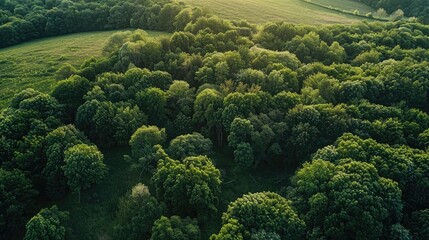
{"points": [[175, 228], [189, 145], [142, 143], [190, 187], [137, 211], [260, 214], [57, 142], [349, 199], [84, 167], [47, 224]]}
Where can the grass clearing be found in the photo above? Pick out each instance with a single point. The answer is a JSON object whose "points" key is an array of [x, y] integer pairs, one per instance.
{"points": [[294, 11], [95, 216], [33, 64]]}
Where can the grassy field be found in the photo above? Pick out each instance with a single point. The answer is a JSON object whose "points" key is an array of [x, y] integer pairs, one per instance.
{"points": [[295, 11], [34, 63], [346, 5]]}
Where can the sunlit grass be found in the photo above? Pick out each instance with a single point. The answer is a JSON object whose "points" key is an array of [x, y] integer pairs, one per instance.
{"points": [[33, 64], [294, 11]]}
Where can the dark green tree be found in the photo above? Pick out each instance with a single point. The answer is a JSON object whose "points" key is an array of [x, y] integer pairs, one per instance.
{"points": [[190, 187], [175, 228], [137, 211], [58, 141], [255, 213], [189, 145], [47, 224], [16, 193], [83, 167]]}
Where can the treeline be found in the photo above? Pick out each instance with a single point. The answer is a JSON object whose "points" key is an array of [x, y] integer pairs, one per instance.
{"points": [[411, 8], [269, 97], [24, 20]]}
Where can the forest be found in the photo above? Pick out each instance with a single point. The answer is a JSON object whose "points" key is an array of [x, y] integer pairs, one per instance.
{"points": [[342, 111]]}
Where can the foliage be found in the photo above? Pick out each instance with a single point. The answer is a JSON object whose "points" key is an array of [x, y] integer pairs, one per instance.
{"points": [[360, 201], [189, 145], [142, 145], [276, 93], [16, 193], [137, 212], [391, 162], [258, 214], [190, 187], [70, 93], [58, 141], [419, 224], [25, 20], [83, 167], [175, 228], [243, 155], [47, 224]]}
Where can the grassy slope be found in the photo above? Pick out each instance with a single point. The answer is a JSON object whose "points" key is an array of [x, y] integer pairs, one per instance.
{"points": [[295, 11], [34, 63], [347, 5]]}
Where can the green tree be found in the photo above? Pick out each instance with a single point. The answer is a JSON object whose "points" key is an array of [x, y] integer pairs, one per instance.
{"points": [[65, 71], [126, 121], [16, 193], [175, 228], [420, 224], [142, 143], [83, 167], [47, 224], [58, 141], [208, 108], [137, 211], [189, 145], [397, 15], [21, 96], [257, 212], [349, 199], [243, 155], [44, 104], [240, 131], [190, 187], [70, 92], [153, 102], [398, 232]]}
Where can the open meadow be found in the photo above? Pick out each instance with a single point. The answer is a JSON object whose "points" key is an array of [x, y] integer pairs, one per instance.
{"points": [[33, 64], [294, 11]]}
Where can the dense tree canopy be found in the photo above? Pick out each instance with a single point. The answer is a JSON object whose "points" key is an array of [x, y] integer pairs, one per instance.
{"points": [[57, 141], [83, 167], [16, 193], [255, 213], [349, 102], [175, 228], [22, 20], [345, 200], [47, 224], [189, 145], [190, 187]]}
